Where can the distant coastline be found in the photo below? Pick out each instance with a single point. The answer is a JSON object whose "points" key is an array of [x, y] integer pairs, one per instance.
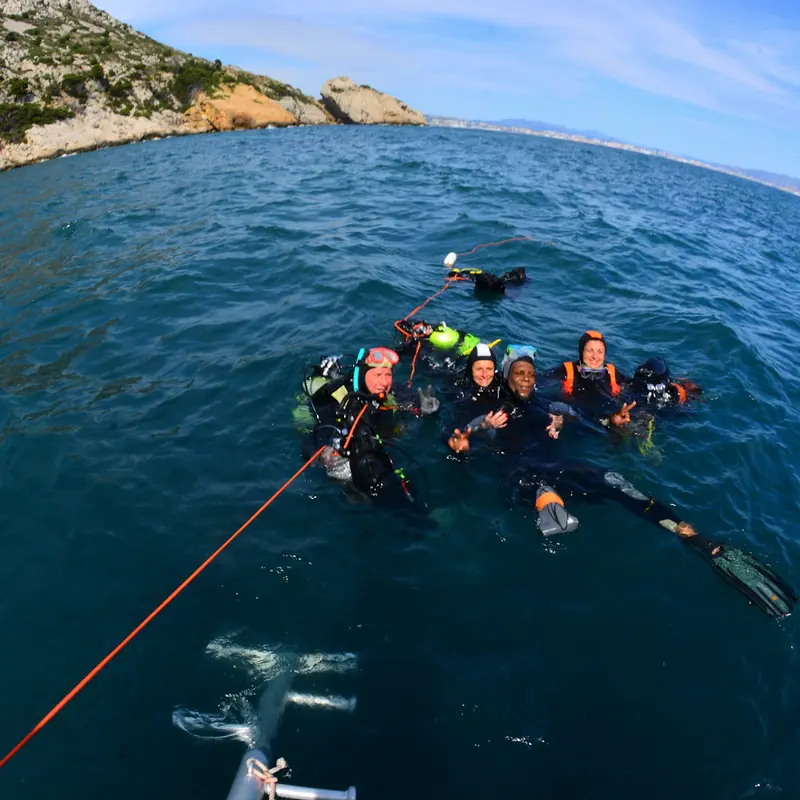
{"points": [[453, 122]]}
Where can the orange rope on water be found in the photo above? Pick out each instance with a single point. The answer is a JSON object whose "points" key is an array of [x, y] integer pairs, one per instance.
{"points": [[506, 241], [56, 708], [153, 614], [435, 294]]}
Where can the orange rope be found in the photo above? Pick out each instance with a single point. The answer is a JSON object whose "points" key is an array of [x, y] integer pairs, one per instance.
{"points": [[414, 362], [506, 241], [56, 708], [353, 429], [435, 294], [405, 333]]}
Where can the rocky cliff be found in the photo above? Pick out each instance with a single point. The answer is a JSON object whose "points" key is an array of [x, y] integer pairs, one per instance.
{"points": [[74, 78], [350, 103]]}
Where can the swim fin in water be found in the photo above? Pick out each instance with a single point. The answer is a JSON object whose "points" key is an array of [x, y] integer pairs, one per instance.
{"points": [[753, 579], [553, 517], [757, 582]]}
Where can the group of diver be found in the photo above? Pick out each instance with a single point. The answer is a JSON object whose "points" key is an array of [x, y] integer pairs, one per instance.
{"points": [[507, 407]]}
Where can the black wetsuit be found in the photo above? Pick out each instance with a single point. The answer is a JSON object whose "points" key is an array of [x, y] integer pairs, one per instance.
{"points": [[339, 412], [594, 394], [539, 462]]}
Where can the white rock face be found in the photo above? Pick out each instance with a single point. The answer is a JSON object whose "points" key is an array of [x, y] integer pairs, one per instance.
{"points": [[16, 26], [91, 129], [364, 105], [47, 7], [305, 113]]}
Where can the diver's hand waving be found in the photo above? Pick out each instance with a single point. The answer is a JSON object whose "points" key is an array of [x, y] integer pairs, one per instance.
{"points": [[623, 416], [459, 442], [428, 404]]}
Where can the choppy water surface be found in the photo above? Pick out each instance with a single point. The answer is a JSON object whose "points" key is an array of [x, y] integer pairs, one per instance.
{"points": [[159, 304]]}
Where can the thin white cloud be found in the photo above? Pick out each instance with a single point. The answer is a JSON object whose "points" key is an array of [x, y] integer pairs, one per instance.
{"points": [[752, 71]]}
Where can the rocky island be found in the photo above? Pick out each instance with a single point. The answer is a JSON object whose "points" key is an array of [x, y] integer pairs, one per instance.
{"points": [[74, 78]]}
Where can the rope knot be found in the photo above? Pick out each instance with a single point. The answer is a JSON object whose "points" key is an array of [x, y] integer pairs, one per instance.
{"points": [[265, 775]]}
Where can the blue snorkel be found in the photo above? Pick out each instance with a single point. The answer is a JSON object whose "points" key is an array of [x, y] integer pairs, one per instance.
{"points": [[361, 354]]}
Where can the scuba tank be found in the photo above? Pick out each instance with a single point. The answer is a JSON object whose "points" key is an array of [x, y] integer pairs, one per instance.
{"points": [[303, 415]]}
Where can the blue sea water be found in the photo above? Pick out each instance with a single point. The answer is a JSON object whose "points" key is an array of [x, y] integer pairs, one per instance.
{"points": [[160, 303]]}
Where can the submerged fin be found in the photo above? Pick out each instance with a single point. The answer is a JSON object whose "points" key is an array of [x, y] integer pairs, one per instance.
{"points": [[755, 581], [618, 482], [553, 517]]}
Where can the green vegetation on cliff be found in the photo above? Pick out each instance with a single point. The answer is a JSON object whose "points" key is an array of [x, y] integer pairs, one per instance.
{"points": [[61, 57], [16, 119]]}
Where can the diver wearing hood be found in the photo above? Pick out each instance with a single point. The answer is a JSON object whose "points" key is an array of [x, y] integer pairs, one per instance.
{"points": [[480, 381], [531, 485], [517, 401], [653, 387], [353, 413], [591, 374], [592, 385]]}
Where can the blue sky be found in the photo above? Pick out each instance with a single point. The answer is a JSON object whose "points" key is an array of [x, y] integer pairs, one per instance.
{"points": [[712, 79]]}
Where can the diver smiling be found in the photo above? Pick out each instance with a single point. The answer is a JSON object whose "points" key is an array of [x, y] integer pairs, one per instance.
{"points": [[355, 413], [540, 468]]}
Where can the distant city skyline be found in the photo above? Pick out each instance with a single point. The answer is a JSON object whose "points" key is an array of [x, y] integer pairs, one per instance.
{"points": [[716, 81]]}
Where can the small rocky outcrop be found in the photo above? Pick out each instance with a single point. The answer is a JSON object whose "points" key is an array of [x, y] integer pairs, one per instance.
{"points": [[349, 103], [236, 108], [306, 112]]}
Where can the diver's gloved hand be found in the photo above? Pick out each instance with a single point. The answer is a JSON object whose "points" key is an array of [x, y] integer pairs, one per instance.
{"points": [[428, 404], [329, 366]]}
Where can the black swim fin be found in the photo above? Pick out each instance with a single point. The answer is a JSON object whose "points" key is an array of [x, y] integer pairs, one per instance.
{"points": [[757, 582]]}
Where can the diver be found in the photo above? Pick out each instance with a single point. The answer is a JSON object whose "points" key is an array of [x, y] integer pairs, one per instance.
{"points": [[355, 413], [486, 282], [438, 347], [592, 386], [655, 394], [540, 469], [479, 381], [652, 387], [515, 401]]}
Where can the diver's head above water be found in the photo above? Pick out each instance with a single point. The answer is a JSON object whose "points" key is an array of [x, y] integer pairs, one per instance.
{"points": [[481, 364], [592, 350], [373, 370], [521, 377], [519, 371], [653, 373]]}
